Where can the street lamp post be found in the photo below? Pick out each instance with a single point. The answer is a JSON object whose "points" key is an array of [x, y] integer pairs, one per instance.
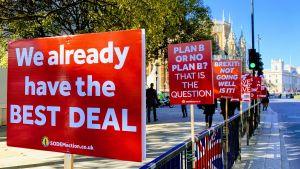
{"points": [[258, 43], [252, 22], [252, 28]]}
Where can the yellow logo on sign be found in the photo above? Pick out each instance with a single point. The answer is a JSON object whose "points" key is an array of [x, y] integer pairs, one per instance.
{"points": [[45, 141]]}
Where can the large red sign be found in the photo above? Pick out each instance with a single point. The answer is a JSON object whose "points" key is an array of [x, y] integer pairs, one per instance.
{"points": [[190, 73], [75, 94], [227, 78], [246, 87]]}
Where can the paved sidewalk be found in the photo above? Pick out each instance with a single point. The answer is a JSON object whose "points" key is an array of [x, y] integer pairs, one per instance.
{"points": [[170, 130], [265, 150]]}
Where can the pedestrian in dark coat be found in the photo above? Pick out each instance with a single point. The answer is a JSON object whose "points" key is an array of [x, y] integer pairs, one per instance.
{"points": [[231, 107], [183, 110], [209, 110], [151, 102], [265, 102]]}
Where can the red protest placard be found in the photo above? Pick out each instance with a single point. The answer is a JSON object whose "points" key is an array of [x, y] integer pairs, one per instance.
{"points": [[263, 92], [246, 84], [227, 78], [190, 73], [74, 94], [258, 83], [256, 87]]}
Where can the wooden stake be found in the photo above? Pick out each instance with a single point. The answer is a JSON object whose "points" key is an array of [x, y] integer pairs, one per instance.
{"points": [[192, 134], [69, 161], [248, 122], [241, 112], [241, 130], [254, 112], [226, 133], [254, 105]]}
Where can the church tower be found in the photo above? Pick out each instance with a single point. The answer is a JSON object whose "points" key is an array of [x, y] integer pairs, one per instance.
{"points": [[232, 51], [221, 30], [227, 44], [242, 50]]}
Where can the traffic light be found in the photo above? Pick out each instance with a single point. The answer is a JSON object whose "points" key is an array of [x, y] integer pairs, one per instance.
{"points": [[260, 65], [253, 59]]}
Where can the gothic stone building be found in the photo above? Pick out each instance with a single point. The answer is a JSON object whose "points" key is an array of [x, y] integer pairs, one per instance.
{"points": [[228, 47]]}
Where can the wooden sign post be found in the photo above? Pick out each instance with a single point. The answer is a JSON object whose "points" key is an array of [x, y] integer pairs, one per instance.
{"points": [[69, 161], [226, 133]]}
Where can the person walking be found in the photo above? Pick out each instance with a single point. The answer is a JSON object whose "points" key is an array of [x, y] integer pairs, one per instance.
{"points": [[151, 102], [209, 110], [265, 102], [183, 110]]}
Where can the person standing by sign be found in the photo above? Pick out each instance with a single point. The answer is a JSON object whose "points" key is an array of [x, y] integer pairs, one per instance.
{"points": [[209, 110], [231, 107], [151, 101], [183, 110]]}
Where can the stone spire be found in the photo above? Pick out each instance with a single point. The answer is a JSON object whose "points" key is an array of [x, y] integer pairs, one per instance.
{"points": [[223, 17], [232, 52], [242, 45], [223, 42], [242, 49]]}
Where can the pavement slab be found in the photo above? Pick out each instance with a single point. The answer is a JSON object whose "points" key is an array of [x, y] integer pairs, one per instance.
{"points": [[265, 149]]}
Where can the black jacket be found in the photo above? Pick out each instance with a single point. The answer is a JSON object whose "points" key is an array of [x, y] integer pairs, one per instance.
{"points": [[151, 96], [210, 109]]}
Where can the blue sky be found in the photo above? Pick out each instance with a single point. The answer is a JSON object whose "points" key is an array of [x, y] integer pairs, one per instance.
{"points": [[277, 22]]}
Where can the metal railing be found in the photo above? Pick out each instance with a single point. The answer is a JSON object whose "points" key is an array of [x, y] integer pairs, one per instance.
{"points": [[210, 145], [177, 157]]}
